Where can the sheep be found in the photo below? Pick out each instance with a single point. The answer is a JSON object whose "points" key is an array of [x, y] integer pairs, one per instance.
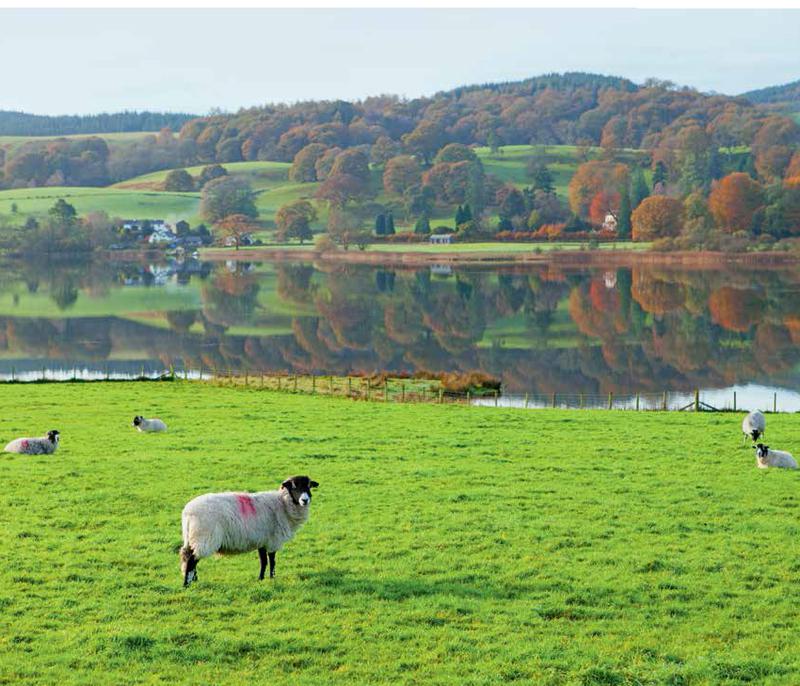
{"points": [[773, 458], [149, 425], [754, 425], [230, 523], [45, 445]]}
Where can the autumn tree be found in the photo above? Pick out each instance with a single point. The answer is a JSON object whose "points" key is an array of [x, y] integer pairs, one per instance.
{"points": [[400, 174], [236, 226], [604, 203], [179, 180], [383, 149], [424, 140], [455, 152], [592, 178], [325, 162], [227, 196], [352, 162], [303, 169], [209, 173], [340, 189], [657, 217], [773, 146], [293, 220], [734, 200], [510, 202]]}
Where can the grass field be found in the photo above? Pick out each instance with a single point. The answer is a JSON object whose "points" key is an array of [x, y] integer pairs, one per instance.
{"points": [[11, 143], [447, 544]]}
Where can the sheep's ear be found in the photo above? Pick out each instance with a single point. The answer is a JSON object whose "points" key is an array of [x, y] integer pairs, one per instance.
{"points": [[313, 484], [288, 484]]}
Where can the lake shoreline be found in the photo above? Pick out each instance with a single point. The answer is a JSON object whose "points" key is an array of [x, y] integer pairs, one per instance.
{"points": [[621, 258]]}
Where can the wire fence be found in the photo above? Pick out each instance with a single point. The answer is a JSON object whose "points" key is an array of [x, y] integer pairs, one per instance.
{"points": [[384, 388]]}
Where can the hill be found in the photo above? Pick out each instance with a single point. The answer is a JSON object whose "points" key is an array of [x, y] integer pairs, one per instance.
{"points": [[24, 124], [785, 98]]}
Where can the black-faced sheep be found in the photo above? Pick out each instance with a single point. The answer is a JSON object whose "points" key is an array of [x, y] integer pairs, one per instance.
{"points": [[766, 457], [753, 426], [44, 445], [149, 425], [230, 523]]}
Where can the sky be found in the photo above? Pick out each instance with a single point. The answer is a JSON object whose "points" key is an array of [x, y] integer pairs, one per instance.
{"points": [[192, 60]]}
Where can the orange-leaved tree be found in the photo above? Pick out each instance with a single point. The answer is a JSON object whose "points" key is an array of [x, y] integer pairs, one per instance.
{"points": [[592, 178], [734, 200], [657, 217]]}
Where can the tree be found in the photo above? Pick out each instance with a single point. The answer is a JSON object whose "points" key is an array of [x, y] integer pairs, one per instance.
{"points": [[325, 163], [419, 200], [303, 169], [380, 225], [773, 146], [542, 179], [227, 196], [639, 189], [591, 178], [423, 225], [659, 174], [209, 173], [657, 217], [734, 201], [624, 214], [236, 226], [179, 180], [352, 162], [603, 204], [390, 231], [424, 140], [293, 220], [400, 174], [383, 150], [63, 213], [182, 228], [511, 202], [339, 189], [455, 152]]}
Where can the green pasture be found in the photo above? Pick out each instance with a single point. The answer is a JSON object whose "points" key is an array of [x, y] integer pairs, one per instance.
{"points": [[258, 174], [446, 545], [12, 143], [116, 202]]}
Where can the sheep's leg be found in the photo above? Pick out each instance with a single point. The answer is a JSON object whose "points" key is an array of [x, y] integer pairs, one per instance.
{"points": [[272, 565], [189, 564], [262, 556]]}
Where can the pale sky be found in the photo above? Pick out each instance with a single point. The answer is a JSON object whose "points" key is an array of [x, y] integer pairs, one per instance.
{"points": [[84, 61]]}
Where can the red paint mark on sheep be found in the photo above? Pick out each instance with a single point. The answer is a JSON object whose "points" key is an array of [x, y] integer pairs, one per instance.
{"points": [[246, 507], [25, 445]]}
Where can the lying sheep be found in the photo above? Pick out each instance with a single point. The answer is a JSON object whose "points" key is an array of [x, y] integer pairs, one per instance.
{"points": [[149, 425], [773, 458], [229, 523], [754, 425], [46, 445]]}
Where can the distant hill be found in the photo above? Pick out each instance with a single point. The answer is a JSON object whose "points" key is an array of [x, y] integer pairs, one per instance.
{"points": [[785, 97], [24, 124]]}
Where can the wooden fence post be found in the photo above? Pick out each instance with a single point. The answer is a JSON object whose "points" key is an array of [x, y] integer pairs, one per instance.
{"points": [[734, 401], [349, 385], [402, 392], [468, 398], [526, 401], [554, 400], [14, 369], [313, 384], [637, 402], [697, 400], [774, 402], [496, 394], [664, 402], [610, 400], [441, 395], [580, 401]]}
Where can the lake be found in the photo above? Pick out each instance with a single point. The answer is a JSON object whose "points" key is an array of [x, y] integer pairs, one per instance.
{"points": [[579, 334]]}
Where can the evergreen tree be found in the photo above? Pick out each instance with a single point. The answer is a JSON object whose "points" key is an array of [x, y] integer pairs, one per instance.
{"points": [[476, 188], [423, 225], [459, 219], [380, 225], [624, 215], [467, 212], [543, 179], [505, 224], [639, 189], [660, 173], [390, 225]]}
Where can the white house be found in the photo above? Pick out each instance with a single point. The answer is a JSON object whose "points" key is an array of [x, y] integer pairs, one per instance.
{"points": [[161, 235], [610, 222], [441, 239]]}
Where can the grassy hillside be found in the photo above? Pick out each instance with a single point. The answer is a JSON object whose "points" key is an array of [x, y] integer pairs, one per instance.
{"points": [[143, 196], [444, 546], [11, 143]]}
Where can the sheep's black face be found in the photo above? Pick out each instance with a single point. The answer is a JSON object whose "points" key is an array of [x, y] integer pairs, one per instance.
{"points": [[53, 436], [137, 421], [762, 450], [299, 488]]}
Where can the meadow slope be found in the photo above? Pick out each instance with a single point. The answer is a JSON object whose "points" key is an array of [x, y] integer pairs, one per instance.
{"points": [[447, 544]]}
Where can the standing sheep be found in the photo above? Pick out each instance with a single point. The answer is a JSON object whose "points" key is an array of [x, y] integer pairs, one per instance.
{"points": [[754, 425], [149, 425], [45, 445], [773, 458], [229, 523]]}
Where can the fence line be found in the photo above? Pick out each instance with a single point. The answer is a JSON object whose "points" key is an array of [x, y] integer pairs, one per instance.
{"points": [[392, 389]]}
